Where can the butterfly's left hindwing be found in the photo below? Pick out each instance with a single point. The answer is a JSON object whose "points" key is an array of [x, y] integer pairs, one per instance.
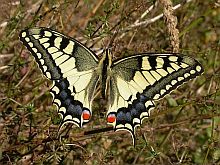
{"points": [[70, 65], [139, 80]]}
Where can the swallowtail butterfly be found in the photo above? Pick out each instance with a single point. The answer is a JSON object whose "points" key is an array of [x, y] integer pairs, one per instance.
{"points": [[133, 82]]}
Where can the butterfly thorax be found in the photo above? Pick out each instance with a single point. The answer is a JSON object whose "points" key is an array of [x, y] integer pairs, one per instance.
{"points": [[105, 70]]}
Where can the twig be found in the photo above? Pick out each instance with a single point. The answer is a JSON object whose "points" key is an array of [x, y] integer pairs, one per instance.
{"points": [[149, 21], [145, 13], [4, 67]]}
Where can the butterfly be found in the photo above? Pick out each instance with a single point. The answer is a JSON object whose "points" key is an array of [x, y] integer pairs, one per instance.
{"points": [[131, 84]]}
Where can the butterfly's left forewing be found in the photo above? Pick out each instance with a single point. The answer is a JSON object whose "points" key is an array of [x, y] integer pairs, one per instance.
{"points": [[70, 65], [138, 80]]}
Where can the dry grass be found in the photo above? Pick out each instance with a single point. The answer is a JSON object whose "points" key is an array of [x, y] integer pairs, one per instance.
{"points": [[184, 127]]}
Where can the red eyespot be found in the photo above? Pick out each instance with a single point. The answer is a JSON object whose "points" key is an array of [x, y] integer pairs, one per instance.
{"points": [[86, 115], [111, 118]]}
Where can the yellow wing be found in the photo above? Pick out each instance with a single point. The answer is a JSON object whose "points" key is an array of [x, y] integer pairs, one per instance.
{"points": [[70, 65], [139, 80]]}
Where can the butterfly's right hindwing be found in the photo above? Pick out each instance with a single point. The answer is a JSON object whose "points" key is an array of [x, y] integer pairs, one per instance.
{"points": [[70, 65]]}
